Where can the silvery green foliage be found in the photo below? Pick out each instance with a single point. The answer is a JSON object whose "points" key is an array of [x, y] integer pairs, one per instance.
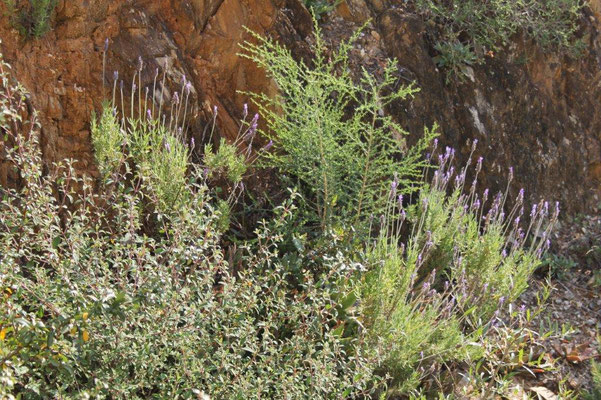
{"points": [[94, 304]]}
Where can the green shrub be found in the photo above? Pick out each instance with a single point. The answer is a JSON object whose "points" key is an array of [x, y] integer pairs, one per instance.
{"points": [[33, 18], [331, 136], [95, 305], [428, 301], [595, 392], [470, 29]]}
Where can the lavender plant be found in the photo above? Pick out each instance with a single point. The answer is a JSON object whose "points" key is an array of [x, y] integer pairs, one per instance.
{"points": [[428, 299]]}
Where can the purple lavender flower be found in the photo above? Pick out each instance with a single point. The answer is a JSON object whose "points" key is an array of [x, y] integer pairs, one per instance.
{"points": [[106, 45], [556, 209], [244, 111], [115, 75], [176, 98], [156, 72], [140, 63], [474, 144], [167, 147], [149, 114], [188, 87], [215, 109], [533, 211], [400, 200], [192, 143], [268, 145], [521, 195]]}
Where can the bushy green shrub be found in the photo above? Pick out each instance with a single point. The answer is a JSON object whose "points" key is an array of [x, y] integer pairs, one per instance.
{"points": [[92, 306], [33, 18], [428, 301], [331, 135], [470, 29]]}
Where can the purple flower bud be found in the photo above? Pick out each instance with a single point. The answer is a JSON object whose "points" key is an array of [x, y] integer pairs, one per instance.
{"points": [[193, 143], [435, 142], [510, 172], [400, 200], [556, 209], [188, 87], [504, 253], [215, 109], [533, 211], [149, 114], [245, 111], [501, 301], [474, 144], [115, 75], [184, 79], [446, 285], [176, 98], [156, 72], [521, 195], [546, 208], [476, 204], [140, 63], [106, 45], [517, 220], [167, 147], [134, 87], [485, 195], [268, 145]]}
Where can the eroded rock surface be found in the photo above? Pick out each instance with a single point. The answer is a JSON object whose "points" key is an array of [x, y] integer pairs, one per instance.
{"points": [[534, 111]]}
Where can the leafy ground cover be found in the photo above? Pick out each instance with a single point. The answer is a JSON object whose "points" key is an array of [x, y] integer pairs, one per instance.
{"points": [[382, 273]]}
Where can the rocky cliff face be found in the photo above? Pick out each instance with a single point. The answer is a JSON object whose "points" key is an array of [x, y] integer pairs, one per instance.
{"points": [[536, 112]]}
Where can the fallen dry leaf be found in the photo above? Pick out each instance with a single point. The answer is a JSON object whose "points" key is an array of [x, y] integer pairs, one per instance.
{"points": [[543, 393]]}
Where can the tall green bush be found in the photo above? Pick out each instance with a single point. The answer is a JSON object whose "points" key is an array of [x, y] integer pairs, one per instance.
{"points": [[331, 135]]}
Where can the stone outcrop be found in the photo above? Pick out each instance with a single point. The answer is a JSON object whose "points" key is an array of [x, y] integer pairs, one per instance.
{"points": [[536, 112]]}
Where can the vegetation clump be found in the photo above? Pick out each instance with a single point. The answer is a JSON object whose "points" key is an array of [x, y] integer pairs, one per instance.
{"points": [[469, 30], [31, 18], [366, 280]]}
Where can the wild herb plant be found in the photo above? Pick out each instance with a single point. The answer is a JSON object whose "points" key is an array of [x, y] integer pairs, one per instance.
{"points": [[92, 306], [428, 300], [331, 136], [32, 19], [468, 30]]}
